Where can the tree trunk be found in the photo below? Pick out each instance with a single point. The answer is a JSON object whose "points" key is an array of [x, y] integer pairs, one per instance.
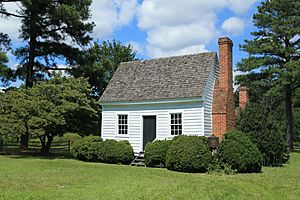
{"points": [[25, 137], [29, 80], [31, 62], [289, 118], [46, 144]]}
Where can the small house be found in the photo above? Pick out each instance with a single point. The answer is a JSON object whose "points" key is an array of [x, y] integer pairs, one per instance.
{"points": [[160, 98]]}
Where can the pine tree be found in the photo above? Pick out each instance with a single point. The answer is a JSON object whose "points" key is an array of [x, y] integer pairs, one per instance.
{"points": [[274, 53], [52, 32]]}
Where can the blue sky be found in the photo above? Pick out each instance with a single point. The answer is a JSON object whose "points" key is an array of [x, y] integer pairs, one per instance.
{"points": [[159, 28]]}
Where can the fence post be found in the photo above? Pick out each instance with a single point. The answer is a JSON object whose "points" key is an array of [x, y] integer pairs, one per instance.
{"points": [[1, 144], [69, 144]]}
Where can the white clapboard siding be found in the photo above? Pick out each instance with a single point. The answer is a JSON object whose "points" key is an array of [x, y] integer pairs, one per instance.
{"points": [[208, 100], [192, 114]]}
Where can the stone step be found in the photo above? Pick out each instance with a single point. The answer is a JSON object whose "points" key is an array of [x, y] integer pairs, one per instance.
{"points": [[139, 160]]}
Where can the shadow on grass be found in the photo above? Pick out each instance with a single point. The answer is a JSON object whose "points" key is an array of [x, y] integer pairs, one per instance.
{"points": [[34, 153]]}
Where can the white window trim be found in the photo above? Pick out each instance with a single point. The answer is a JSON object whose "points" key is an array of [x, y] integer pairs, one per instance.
{"points": [[182, 126], [117, 126]]}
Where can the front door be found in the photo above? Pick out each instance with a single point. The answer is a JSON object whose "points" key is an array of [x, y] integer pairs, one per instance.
{"points": [[149, 129]]}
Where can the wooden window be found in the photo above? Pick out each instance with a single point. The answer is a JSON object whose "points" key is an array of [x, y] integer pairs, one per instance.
{"points": [[176, 124], [123, 124]]}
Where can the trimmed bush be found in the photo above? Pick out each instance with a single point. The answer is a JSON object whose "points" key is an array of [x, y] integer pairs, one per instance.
{"points": [[156, 153], [112, 151], [86, 148], [189, 154], [237, 151], [265, 132]]}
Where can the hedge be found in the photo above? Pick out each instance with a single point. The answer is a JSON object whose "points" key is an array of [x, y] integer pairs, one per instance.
{"points": [[86, 147], [156, 153], [237, 151], [189, 154], [93, 149], [112, 151]]}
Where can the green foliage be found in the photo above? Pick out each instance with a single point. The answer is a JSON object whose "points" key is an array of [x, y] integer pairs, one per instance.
{"points": [[51, 31], [6, 74], [189, 154], [258, 122], [112, 151], [92, 148], [86, 148], [48, 109], [156, 153], [66, 137], [237, 151], [274, 55], [101, 61]]}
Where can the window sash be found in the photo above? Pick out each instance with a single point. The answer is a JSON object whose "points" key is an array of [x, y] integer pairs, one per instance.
{"points": [[123, 124], [176, 124]]}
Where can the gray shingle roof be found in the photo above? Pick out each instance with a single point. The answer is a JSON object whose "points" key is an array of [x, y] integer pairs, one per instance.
{"points": [[163, 78]]}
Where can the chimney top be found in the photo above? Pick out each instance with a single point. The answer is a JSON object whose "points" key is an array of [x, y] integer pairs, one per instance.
{"points": [[243, 97], [225, 40], [243, 88]]}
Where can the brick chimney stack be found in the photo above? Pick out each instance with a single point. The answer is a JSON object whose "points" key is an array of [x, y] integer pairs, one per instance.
{"points": [[243, 97], [225, 59], [223, 113]]}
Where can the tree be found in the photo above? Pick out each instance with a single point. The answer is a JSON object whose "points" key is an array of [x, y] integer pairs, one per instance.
{"points": [[100, 62], [47, 26], [274, 53], [52, 32], [49, 109], [6, 74], [265, 129]]}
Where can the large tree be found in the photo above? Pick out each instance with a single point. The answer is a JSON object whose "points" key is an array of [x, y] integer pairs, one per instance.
{"points": [[274, 53], [99, 63], [52, 30], [48, 109], [53, 33]]}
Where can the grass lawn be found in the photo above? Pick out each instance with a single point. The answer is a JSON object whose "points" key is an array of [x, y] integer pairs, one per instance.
{"points": [[38, 178]]}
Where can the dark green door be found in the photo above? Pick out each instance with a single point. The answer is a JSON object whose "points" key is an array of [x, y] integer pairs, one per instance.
{"points": [[149, 129]]}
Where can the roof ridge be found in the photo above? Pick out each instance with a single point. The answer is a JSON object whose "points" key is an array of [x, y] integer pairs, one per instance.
{"points": [[168, 57]]}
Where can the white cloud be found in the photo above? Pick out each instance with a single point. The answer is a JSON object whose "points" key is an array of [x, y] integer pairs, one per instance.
{"points": [[137, 47], [110, 15], [156, 52], [176, 26], [240, 6], [234, 25], [11, 25]]}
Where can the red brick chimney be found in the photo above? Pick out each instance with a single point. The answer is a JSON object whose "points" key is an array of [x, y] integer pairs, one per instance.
{"points": [[243, 97], [223, 113]]}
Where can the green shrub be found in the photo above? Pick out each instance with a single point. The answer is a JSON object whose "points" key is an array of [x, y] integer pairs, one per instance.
{"points": [[265, 132], [189, 154], [86, 148], [237, 151], [112, 151], [156, 153]]}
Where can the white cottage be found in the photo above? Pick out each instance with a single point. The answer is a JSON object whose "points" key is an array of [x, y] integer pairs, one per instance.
{"points": [[165, 97]]}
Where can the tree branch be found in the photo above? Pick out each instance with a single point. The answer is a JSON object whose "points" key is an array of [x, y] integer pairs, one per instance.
{"points": [[57, 69], [12, 14]]}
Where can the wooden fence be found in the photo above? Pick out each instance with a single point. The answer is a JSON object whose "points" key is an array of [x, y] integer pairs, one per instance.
{"points": [[63, 145]]}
